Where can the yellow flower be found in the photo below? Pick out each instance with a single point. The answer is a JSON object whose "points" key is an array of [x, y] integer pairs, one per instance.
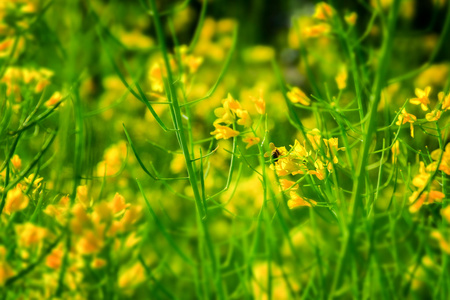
{"points": [[89, 243], [433, 116], [15, 200], [98, 263], [260, 104], [425, 198], [156, 78], [6, 271], [224, 132], [351, 18], [297, 201], [251, 141], [118, 204], [54, 99], [30, 234], [16, 162], [395, 151], [445, 101], [287, 184], [244, 118], [422, 98], [132, 276], [54, 259], [404, 118], [445, 162], [82, 195], [341, 79], [296, 95], [323, 11], [316, 30], [443, 244], [446, 213], [314, 136], [226, 113]]}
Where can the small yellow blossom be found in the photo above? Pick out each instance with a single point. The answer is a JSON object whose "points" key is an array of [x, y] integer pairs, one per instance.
{"points": [[323, 11], [395, 151], [89, 243], [54, 259], [425, 198], [224, 132], [82, 195], [445, 161], [422, 98], [443, 244], [118, 204], [54, 99], [316, 30], [251, 141], [351, 18], [6, 271], [446, 213], [244, 118], [30, 234], [404, 118], [260, 104], [288, 185], [98, 263], [314, 136], [297, 201], [132, 276], [433, 115], [156, 78], [341, 79], [15, 201], [445, 100], [296, 95], [16, 162]]}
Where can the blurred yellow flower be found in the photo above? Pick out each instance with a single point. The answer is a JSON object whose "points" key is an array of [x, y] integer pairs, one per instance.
{"points": [[323, 11], [15, 200], [422, 98], [260, 104], [395, 151], [351, 18], [132, 276], [156, 78], [287, 184], [341, 79], [251, 141], [445, 100], [29, 234], [406, 117], [297, 201], [296, 95], [6, 271], [433, 115], [443, 244], [89, 243], [244, 118], [224, 132], [316, 30], [54, 99], [16, 162]]}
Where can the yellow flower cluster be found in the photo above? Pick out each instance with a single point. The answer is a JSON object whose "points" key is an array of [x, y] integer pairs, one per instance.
{"points": [[184, 64], [300, 159], [422, 99], [324, 15], [425, 195], [232, 114]]}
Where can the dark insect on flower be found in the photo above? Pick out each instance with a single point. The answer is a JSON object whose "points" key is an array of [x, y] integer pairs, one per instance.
{"points": [[275, 154]]}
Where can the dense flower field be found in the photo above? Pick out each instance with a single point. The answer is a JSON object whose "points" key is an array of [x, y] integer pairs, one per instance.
{"points": [[194, 149]]}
